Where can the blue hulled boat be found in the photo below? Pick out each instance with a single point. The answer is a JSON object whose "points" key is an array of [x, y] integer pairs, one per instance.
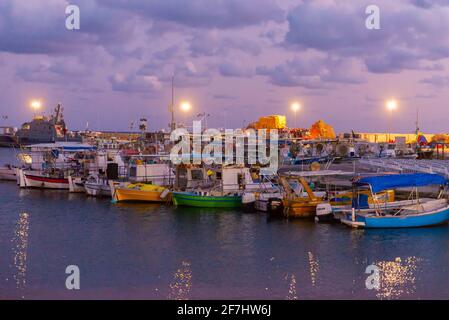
{"points": [[414, 212]]}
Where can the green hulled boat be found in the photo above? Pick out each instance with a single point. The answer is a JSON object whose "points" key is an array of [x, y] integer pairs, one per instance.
{"points": [[192, 199]]}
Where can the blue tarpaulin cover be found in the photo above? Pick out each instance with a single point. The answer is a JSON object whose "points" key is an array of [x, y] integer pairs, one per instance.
{"points": [[380, 183]]}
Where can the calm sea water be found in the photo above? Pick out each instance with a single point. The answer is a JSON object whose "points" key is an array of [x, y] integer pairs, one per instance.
{"points": [[149, 251]]}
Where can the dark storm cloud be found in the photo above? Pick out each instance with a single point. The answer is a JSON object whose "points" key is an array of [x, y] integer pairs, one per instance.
{"points": [[204, 13], [53, 72], [234, 69], [311, 72], [212, 44], [409, 38], [135, 84], [38, 27]]}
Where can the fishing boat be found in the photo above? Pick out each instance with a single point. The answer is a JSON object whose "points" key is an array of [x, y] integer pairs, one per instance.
{"points": [[8, 173], [7, 137], [149, 178], [257, 194], [412, 212], [300, 195], [76, 184], [97, 186], [206, 199], [222, 188], [44, 180], [331, 210], [304, 192], [139, 192]]}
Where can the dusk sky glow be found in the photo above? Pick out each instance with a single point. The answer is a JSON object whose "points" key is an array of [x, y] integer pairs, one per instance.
{"points": [[235, 59]]}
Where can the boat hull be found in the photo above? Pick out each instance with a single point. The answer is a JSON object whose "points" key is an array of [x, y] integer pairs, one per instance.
{"points": [[8, 174], [97, 190], [409, 221], [37, 181], [76, 185], [137, 195], [193, 200], [300, 209]]}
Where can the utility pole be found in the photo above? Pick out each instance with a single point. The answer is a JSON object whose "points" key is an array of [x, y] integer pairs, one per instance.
{"points": [[172, 108]]}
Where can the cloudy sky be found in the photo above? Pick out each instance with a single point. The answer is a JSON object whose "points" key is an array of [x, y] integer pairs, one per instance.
{"points": [[235, 59]]}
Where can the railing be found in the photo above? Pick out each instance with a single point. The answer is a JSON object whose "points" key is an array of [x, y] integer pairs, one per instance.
{"points": [[408, 166]]}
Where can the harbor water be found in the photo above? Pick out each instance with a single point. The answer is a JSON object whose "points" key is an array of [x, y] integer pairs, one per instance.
{"points": [[146, 251]]}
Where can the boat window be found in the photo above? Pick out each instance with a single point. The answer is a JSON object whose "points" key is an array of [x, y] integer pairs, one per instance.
{"points": [[197, 174]]}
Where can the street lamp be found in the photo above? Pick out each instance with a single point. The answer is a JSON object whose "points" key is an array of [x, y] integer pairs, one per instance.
{"points": [[391, 106], [185, 106], [295, 106], [35, 105]]}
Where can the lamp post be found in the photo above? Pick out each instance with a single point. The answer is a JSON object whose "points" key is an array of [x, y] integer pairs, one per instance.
{"points": [[295, 106], [391, 106], [172, 106]]}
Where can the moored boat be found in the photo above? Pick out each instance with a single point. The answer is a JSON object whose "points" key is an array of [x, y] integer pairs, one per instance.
{"points": [[414, 212], [206, 200], [45, 180], [299, 200], [140, 192], [97, 186], [76, 184], [8, 173]]}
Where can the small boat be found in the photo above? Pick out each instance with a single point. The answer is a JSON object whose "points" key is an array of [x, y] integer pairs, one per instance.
{"points": [[139, 192], [44, 180], [8, 173], [331, 210], [299, 200], [97, 186], [219, 188], [260, 191], [76, 184], [413, 212], [206, 200]]}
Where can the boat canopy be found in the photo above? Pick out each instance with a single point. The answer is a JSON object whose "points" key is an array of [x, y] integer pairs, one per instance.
{"points": [[64, 146], [319, 173], [381, 183]]}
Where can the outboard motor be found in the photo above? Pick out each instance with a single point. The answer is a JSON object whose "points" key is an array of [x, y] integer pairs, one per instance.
{"points": [[275, 207], [324, 213], [249, 202]]}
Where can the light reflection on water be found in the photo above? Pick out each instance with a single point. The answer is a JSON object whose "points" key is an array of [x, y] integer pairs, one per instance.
{"points": [[314, 267], [292, 294], [182, 282], [20, 247], [397, 278]]}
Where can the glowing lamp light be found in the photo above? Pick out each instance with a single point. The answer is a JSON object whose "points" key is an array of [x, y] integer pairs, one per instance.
{"points": [[185, 106], [36, 105], [295, 106], [392, 105]]}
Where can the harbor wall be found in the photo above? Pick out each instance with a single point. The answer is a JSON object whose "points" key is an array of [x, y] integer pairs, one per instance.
{"points": [[385, 137]]}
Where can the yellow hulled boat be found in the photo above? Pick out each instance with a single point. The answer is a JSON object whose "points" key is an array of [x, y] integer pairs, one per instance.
{"points": [[142, 192]]}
